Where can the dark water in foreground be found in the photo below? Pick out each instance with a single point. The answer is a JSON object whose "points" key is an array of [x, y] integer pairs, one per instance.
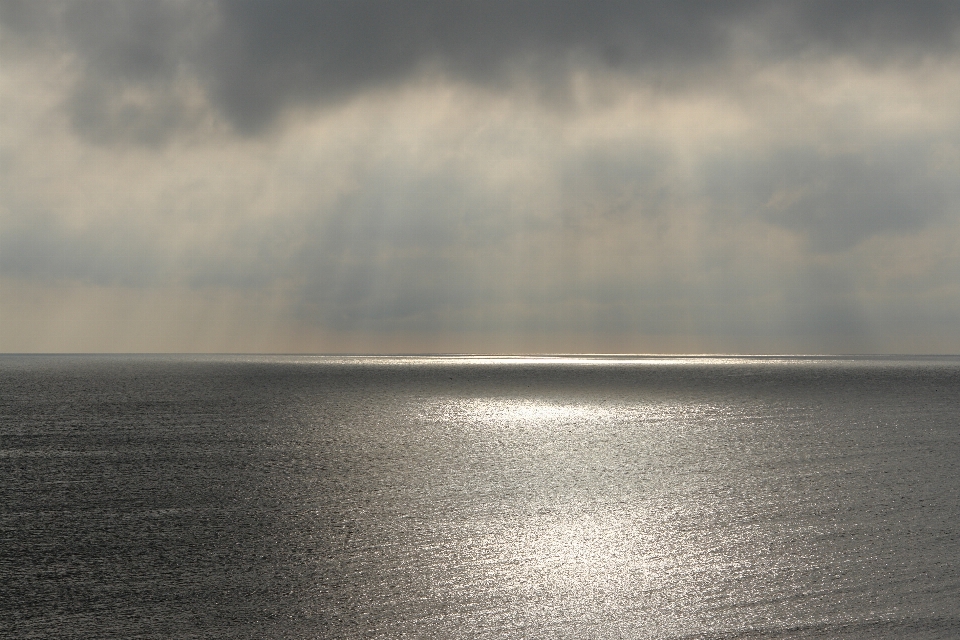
{"points": [[472, 497]]}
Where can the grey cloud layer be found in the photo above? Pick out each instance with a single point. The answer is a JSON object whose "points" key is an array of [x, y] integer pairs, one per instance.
{"points": [[253, 58]]}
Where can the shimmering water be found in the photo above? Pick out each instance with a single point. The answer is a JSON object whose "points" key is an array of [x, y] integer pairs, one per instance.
{"points": [[479, 497]]}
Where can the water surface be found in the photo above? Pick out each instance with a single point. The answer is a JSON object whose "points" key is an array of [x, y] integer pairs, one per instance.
{"points": [[469, 497]]}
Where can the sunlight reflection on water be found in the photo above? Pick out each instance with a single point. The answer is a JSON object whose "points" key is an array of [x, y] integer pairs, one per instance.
{"points": [[590, 513], [525, 413], [588, 527]]}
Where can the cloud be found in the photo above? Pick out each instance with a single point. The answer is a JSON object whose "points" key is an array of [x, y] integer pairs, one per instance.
{"points": [[276, 53], [481, 176], [297, 51], [838, 200], [255, 59]]}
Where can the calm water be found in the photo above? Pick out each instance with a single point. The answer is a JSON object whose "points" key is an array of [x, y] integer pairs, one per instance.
{"points": [[478, 497]]}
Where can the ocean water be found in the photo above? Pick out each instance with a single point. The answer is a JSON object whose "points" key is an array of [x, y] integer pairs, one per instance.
{"points": [[467, 497]]}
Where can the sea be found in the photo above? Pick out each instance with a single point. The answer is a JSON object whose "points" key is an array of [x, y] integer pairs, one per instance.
{"points": [[479, 497]]}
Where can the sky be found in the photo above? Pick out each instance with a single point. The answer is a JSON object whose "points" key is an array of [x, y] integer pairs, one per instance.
{"points": [[495, 176]]}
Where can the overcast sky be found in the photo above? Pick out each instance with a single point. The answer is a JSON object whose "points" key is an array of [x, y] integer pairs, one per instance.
{"points": [[480, 176]]}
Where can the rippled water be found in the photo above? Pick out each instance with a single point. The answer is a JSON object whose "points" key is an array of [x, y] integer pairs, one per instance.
{"points": [[479, 497]]}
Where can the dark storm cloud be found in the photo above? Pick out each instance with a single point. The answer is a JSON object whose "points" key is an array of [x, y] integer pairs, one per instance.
{"points": [[286, 51], [273, 53], [875, 27], [254, 58]]}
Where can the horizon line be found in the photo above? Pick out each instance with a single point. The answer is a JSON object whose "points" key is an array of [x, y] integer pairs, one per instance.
{"points": [[477, 355]]}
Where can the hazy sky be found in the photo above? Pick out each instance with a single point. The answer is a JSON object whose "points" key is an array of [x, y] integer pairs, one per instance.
{"points": [[480, 176]]}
